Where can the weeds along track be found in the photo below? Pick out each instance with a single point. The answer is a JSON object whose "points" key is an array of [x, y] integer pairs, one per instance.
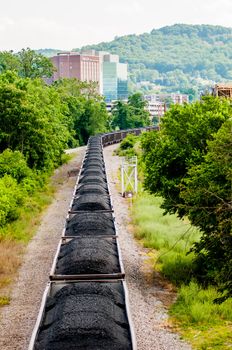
{"points": [[85, 304]]}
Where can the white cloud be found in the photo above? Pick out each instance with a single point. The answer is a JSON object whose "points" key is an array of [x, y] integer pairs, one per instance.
{"points": [[5, 23]]}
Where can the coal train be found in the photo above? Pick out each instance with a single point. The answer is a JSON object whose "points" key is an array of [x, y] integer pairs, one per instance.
{"points": [[85, 304]]}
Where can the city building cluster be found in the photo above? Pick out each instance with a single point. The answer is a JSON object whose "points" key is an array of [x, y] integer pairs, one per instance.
{"points": [[111, 77], [94, 66], [157, 104]]}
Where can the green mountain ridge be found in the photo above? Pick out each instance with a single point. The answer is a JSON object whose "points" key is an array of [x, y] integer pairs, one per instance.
{"points": [[180, 57]]}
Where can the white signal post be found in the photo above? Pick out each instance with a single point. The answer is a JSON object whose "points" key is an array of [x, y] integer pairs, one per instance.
{"points": [[129, 176]]}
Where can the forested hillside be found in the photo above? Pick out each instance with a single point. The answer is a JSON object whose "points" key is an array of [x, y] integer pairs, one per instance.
{"points": [[177, 57]]}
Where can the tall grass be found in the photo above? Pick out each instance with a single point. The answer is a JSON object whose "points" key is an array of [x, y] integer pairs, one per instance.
{"points": [[205, 324], [171, 237], [15, 235]]}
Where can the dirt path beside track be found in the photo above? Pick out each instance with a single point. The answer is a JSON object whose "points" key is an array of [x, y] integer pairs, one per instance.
{"points": [[18, 319]]}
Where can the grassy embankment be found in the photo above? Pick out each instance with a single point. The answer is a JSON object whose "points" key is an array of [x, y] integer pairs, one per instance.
{"points": [[203, 323], [15, 235]]}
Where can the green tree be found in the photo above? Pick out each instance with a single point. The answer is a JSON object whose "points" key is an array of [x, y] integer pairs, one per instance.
{"points": [[121, 116], [13, 163], [188, 163], [34, 65], [207, 196], [11, 197], [92, 121], [86, 110], [181, 143], [132, 114], [9, 61], [32, 120]]}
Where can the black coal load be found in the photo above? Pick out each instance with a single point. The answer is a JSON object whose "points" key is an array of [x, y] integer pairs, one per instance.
{"points": [[91, 202], [86, 316], [93, 160], [93, 172], [94, 153], [94, 144], [93, 149], [95, 140], [93, 179], [96, 167], [103, 184], [88, 256], [90, 224], [91, 188], [93, 164]]}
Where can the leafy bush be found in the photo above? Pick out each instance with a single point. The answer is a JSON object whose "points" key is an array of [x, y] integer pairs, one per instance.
{"points": [[11, 197], [128, 142], [14, 163], [127, 146]]}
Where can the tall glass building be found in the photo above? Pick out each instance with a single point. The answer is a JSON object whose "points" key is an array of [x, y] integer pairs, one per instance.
{"points": [[122, 81], [114, 78], [110, 81]]}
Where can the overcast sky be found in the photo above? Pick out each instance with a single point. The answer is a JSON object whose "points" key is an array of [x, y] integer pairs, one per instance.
{"points": [[67, 24]]}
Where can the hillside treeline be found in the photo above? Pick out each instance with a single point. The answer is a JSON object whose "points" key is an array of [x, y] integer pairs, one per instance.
{"points": [[180, 57], [189, 164]]}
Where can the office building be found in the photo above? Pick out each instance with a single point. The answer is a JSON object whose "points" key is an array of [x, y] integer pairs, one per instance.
{"points": [[168, 98], [76, 65], [156, 109]]}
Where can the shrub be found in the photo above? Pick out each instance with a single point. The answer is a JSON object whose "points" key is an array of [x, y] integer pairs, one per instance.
{"points": [[13, 163], [128, 142], [11, 196]]}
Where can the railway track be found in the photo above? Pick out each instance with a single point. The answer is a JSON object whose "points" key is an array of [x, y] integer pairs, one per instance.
{"points": [[85, 304]]}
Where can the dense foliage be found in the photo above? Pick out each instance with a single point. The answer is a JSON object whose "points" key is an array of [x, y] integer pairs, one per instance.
{"points": [[178, 57], [188, 163], [31, 120], [127, 146], [37, 123], [132, 114], [86, 111]]}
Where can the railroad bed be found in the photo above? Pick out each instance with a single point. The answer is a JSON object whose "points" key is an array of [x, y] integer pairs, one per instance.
{"points": [[85, 304]]}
